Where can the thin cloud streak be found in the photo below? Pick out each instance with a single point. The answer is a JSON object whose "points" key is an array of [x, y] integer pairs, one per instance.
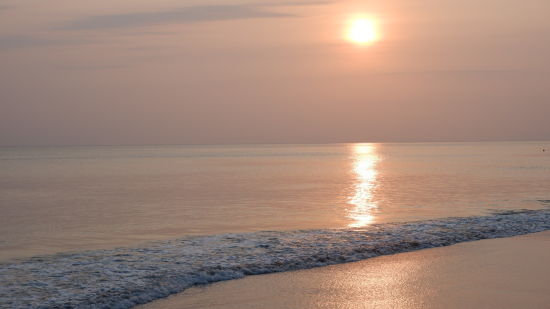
{"points": [[24, 41], [192, 14]]}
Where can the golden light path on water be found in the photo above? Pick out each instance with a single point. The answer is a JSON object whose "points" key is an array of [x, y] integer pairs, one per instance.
{"points": [[365, 160]]}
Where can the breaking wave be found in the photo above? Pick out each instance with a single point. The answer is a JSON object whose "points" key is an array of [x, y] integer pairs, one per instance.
{"points": [[125, 277]]}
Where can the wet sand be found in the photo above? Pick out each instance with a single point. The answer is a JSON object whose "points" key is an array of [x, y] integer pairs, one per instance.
{"points": [[496, 273]]}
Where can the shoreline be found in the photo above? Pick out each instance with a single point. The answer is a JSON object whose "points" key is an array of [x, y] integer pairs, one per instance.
{"points": [[127, 277], [491, 273]]}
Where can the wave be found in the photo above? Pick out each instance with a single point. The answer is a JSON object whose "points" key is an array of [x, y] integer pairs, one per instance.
{"points": [[125, 277]]}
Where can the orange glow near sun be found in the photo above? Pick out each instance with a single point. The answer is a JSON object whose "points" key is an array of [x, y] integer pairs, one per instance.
{"points": [[362, 31]]}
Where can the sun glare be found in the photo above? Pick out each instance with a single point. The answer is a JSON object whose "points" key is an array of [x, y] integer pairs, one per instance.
{"points": [[362, 31], [365, 170]]}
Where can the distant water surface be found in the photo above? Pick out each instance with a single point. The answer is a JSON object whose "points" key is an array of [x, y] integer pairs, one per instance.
{"points": [[55, 199]]}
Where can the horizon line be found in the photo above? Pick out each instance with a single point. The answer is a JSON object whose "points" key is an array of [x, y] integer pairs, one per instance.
{"points": [[273, 143]]}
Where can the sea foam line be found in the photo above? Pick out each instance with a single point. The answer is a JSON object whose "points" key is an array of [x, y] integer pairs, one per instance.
{"points": [[125, 277]]}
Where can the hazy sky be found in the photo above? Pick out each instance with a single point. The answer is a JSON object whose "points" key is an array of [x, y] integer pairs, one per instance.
{"points": [[205, 71]]}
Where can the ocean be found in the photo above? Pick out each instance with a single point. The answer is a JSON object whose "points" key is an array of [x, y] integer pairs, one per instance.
{"points": [[122, 225]]}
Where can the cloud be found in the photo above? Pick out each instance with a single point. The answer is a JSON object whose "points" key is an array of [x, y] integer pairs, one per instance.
{"points": [[192, 14], [296, 3], [20, 41], [5, 7]]}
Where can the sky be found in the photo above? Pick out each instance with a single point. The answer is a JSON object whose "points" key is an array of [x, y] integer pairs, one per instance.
{"points": [[263, 71]]}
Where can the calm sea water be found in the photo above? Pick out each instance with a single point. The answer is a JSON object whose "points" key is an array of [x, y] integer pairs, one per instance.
{"points": [[74, 198]]}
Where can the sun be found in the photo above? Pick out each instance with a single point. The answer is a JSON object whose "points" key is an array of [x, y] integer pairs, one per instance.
{"points": [[362, 31]]}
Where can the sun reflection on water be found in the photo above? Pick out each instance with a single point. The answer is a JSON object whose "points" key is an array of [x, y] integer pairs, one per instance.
{"points": [[364, 167]]}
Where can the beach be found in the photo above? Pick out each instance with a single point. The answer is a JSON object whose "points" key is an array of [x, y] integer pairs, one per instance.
{"points": [[495, 273], [116, 227], [291, 154]]}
